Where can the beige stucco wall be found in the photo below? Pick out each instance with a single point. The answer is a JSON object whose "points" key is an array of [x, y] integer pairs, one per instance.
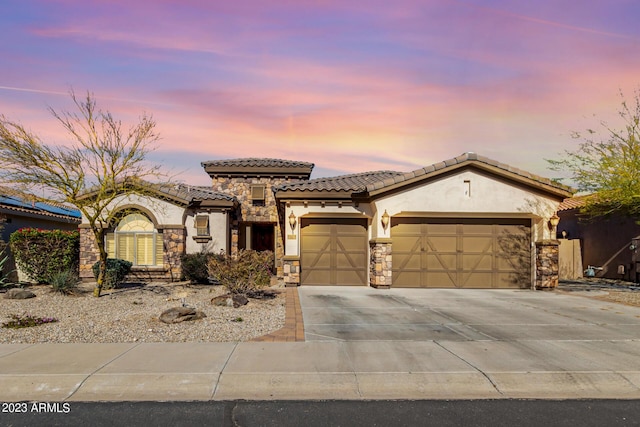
{"points": [[292, 238], [164, 212], [218, 228], [468, 193], [168, 214]]}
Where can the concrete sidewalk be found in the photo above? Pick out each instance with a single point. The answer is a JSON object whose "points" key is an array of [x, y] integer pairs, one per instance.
{"points": [[521, 366]]}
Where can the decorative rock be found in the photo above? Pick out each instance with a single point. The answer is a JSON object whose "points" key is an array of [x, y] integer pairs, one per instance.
{"points": [[17, 293], [230, 300], [181, 314]]}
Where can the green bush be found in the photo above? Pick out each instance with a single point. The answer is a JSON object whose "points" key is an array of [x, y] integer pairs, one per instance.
{"points": [[195, 267], [117, 270], [65, 281], [42, 253], [251, 271]]}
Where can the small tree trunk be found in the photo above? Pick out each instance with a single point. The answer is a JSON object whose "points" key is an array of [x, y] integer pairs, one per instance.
{"points": [[102, 270]]}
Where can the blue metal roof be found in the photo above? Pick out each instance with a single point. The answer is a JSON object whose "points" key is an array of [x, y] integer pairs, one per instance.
{"points": [[39, 207]]}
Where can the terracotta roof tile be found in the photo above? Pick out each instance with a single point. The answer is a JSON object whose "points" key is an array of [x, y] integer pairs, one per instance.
{"points": [[350, 183], [258, 162], [191, 193], [373, 181], [572, 203]]}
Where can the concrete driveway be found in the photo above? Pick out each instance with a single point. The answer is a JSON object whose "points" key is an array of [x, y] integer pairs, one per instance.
{"points": [[366, 314], [450, 343]]}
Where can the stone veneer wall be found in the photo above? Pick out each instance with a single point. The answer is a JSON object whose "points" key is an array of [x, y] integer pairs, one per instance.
{"points": [[88, 253], [173, 242], [380, 275], [240, 187], [547, 265], [291, 271]]}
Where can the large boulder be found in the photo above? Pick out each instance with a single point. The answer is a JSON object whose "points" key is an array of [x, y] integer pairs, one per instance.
{"points": [[17, 293], [181, 314], [230, 300]]}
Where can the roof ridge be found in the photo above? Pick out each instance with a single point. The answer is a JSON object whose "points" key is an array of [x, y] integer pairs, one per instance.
{"points": [[351, 175], [254, 159]]}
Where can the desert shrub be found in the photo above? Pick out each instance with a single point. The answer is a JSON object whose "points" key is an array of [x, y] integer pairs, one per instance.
{"points": [[249, 272], [117, 270], [26, 321], [65, 281], [42, 253], [195, 267]]}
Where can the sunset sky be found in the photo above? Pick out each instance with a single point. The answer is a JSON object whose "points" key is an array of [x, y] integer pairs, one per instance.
{"points": [[351, 86]]}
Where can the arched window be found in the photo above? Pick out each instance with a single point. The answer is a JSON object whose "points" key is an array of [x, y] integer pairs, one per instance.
{"points": [[135, 239]]}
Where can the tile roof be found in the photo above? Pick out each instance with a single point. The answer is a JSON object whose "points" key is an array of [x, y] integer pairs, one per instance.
{"points": [[572, 203], [257, 162], [191, 193], [351, 183], [466, 158], [370, 182]]}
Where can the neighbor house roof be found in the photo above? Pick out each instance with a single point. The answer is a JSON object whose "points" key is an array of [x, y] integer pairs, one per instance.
{"points": [[572, 203], [52, 210], [258, 167], [373, 183]]}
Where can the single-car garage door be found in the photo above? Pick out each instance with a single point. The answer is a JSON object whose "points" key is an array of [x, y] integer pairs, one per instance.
{"points": [[333, 251], [461, 252]]}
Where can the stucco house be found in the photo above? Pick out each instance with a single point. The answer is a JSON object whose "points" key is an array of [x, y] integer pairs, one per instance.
{"points": [[466, 222]]}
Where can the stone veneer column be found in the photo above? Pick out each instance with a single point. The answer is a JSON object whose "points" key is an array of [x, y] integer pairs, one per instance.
{"points": [[547, 265], [88, 253], [173, 243], [291, 271], [234, 242], [380, 264]]}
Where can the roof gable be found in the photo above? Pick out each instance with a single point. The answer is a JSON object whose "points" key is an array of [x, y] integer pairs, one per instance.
{"points": [[470, 159], [370, 184]]}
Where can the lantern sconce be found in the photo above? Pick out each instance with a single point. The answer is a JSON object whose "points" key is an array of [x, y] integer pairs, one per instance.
{"points": [[553, 223], [292, 221], [385, 220]]}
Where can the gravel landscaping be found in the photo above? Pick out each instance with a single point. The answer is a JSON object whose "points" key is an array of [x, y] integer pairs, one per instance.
{"points": [[130, 314]]}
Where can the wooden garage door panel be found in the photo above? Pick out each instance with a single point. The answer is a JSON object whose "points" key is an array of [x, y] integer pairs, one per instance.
{"points": [[333, 251], [434, 279], [473, 253]]}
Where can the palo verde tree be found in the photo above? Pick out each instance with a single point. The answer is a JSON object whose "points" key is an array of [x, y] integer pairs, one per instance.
{"points": [[101, 162], [606, 164]]}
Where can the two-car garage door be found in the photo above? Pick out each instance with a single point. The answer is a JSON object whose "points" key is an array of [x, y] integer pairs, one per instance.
{"points": [[461, 252]]}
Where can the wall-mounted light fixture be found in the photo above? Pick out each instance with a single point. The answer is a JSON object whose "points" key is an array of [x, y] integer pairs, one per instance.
{"points": [[553, 223], [385, 220], [292, 221]]}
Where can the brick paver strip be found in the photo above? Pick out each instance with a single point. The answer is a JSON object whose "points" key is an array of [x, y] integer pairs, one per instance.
{"points": [[293, 329]]}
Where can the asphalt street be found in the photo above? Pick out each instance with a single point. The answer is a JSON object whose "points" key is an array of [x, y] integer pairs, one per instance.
{"points": [[522, 413]]}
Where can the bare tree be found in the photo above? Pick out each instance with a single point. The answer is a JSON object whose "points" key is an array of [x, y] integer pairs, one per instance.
{"points": [[101, 162]]}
